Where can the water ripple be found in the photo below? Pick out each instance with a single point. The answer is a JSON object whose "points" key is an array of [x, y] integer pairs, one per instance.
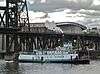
{"points": [[35, 68]]}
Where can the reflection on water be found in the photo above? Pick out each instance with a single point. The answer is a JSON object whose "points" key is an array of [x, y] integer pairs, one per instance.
{"points": [[47, 68]]}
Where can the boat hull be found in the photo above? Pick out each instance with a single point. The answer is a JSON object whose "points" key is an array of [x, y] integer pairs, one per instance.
{"points": [[58, 58], [75, 61]]}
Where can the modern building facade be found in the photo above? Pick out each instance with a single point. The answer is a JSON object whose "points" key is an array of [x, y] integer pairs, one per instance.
{"points": [[71, 27]]}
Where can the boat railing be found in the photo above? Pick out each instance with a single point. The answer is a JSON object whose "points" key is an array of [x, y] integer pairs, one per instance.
{"points": [[51, 52]]}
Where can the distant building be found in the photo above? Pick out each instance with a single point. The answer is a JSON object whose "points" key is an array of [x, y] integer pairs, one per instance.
{"points": [[47, 27], [93, 30], [71, 27], [64, 27]]}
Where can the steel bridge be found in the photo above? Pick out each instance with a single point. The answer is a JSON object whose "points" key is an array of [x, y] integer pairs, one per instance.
{"points": [[12, 21], [14, 39]]}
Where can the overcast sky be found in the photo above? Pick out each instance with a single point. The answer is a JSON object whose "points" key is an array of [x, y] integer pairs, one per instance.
{"points": [[86, 12]]}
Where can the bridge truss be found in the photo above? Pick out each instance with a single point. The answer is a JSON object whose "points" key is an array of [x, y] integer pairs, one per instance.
{"points": [[13, 19]]}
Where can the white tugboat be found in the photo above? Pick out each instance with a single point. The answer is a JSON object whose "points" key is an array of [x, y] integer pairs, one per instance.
{"points": [[54, 56], [47, 56]]}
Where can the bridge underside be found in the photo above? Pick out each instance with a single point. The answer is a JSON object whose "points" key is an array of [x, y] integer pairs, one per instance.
{"points": [[28, 41], [22, 41], [82, 41]]}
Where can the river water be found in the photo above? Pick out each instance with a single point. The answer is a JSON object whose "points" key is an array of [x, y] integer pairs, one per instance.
{"points": [[49, 68]]}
